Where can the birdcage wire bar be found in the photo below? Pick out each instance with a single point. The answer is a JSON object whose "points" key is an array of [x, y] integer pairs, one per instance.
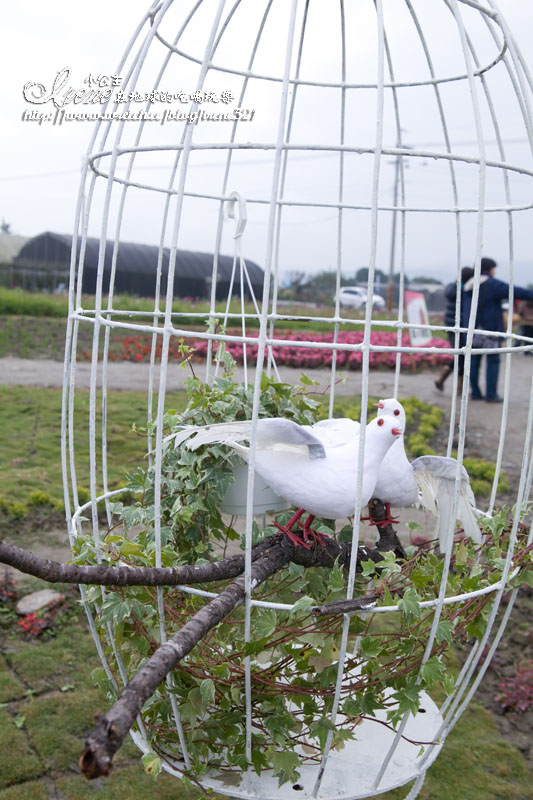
{"points": [[110, 149]]}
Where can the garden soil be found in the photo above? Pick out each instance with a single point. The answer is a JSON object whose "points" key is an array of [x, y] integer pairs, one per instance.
{"points": [[482, 438]]}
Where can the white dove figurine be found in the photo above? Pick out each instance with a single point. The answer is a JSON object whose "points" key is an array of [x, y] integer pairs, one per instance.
{"points": [[313, 467], [428, 480]]}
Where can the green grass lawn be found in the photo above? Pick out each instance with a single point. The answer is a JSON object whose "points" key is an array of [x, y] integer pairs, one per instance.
{"points": [[47, 701], [30, 438]]}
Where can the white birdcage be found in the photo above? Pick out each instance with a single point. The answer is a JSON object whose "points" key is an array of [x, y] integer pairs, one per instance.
{"points": [[329, 97]]}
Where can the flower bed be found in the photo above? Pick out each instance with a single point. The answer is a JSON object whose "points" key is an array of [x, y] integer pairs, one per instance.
{"points": [[138, 348]]}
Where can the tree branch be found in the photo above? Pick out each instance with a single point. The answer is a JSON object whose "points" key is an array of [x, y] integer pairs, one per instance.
{"points": [[347, 606], [226, 569], [104, 575], [111, 728], [388, 539]]}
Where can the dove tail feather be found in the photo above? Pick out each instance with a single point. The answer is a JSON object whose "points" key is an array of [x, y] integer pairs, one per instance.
{"points": [[428, 493], [436, 496], [468, 515]]}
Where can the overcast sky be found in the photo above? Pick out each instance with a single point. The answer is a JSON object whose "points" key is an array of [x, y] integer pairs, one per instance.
{"points": [[40, 162]]}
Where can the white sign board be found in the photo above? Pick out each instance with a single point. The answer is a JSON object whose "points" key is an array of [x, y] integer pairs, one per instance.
{"points": [[416, 312]]}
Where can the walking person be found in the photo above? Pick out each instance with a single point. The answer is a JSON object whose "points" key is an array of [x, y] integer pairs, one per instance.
{"points": [[450, 293], [489, 317]]}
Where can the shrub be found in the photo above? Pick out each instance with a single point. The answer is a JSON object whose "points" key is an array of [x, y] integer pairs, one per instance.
{"points": [[59, 505], [84, 495], [17, 510], [480, 488], [38, 498], [518, 691]]}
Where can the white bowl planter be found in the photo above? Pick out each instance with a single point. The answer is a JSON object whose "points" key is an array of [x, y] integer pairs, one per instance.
{"points": [[264, 500]]}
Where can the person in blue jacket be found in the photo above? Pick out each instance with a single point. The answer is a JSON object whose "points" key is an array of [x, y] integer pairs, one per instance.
{"points": [[450, 293], [490, 318]]}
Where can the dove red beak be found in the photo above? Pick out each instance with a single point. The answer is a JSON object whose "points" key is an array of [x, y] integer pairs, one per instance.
{"points": [[396, 432], [380, 404]]}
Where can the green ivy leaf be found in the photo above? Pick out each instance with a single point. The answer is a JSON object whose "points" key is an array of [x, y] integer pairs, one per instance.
{"points": [[527, 577], [409, 604], [259, 760], [345, 534], [129, 548], [319, 661], [408, 699], [444, 631], [304, 604], [368, 568], [389, 564], [236, 694], [207, 691], [432, 671], [448, 682], [336, 578], [352, 708], [370, 646], [285, 766], [115, 609], [151, 763], [320, 729], [265, 623]]}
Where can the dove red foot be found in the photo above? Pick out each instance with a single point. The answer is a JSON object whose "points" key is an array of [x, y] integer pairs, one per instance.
{"points": [[307, 532], [388, 520]]}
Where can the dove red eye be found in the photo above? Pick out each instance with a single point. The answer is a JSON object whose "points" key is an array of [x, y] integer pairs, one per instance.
{"points": [[396, 412], [380, 421]]}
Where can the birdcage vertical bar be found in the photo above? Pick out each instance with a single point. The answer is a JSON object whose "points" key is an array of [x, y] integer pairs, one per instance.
{"points": [[399, 187], [456, 707], [457, 215], [364, 389], [261, 344], [340, 199], [285, 160], [187, 140]]}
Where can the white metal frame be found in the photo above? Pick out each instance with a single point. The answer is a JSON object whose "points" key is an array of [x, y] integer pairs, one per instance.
{"points": [[110, 151]]}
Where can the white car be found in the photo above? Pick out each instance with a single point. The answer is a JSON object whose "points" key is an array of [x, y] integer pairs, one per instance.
{"points": [[356, 297]]}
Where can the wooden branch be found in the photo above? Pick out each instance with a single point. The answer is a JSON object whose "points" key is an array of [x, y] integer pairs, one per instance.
{"points": [[111, 728], [347, 606], [226, 569], [388, 539], [104, 575]]}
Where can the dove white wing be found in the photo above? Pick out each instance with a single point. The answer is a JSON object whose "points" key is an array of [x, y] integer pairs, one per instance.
{"points": [[271, 433], [435, 476], [335, 432]]}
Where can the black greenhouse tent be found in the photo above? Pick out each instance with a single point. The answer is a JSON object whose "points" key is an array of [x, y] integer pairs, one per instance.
{"points": [[45, 261]]}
